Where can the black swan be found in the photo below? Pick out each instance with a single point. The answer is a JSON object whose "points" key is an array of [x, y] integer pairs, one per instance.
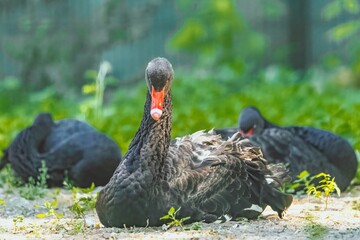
{"points": [[68, 146], [201, 173], [301, 148]]}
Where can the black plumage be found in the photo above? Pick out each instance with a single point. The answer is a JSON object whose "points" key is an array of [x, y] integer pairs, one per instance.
{"points": [[301, 148], [67, 146], [204, 175]]}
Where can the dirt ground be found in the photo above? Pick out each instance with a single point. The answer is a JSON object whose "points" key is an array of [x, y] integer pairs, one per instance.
{"points": [[305, 219]]}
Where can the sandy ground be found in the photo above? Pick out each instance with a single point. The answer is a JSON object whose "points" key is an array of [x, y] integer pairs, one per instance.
{"points": [[305, 219]]}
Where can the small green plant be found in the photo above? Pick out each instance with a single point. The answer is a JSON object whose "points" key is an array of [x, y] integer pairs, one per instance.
{"points": [[2, 202], [195, 226], [50, 210], [16, 221], [8, 180], [43, 176], [67, 183], [83, 204], [320, 185], [32, 188], [174, 222], [325, 188], [76, 226]]}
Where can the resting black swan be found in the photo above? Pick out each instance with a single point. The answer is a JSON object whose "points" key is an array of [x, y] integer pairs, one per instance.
{"points": [[302, 148], [68, 146], [201, 173]]}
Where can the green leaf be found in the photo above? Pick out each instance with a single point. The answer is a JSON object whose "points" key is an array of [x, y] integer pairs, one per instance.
{"points": [[303, 174], [332, 10], [344, 30], [171, 211], [185, 218], [351, 6], [295, 185], [325, 175], [89, 189], [165, 217], [41, 215]]}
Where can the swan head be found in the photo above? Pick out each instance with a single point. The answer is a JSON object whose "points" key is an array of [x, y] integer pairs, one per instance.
{"points": [[251, 122], [159, 75]]}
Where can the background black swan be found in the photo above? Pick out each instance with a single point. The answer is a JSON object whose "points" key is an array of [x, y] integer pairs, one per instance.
{"points": [[201, 173], [302, 148], [68, 146]]}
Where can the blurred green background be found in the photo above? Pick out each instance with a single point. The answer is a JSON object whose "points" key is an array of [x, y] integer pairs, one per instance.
{"points": [[298, 61]]}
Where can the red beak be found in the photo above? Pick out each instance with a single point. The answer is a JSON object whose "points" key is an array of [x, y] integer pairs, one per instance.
{"points": [[157, 103], [246, 134]]}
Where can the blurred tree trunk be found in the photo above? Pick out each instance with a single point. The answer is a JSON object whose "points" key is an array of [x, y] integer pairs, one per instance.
{"points": [[298, 33]]}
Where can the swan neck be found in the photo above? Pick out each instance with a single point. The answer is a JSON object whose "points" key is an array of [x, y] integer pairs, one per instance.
{"points": [[150, 145]]}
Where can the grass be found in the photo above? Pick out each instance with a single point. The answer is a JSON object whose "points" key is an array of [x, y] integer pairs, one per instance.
{"points": [[314, 229]]}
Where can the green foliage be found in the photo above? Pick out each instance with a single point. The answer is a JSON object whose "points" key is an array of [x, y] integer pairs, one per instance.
{"points": [[67, 183], [346, 29], [8, 180], [76, 226], [50, 208], [217, 36], [173, 221], [32, 188], [90, 189], [83, 205], [301, 184], [201, 101], [86, 202], [326, 187]]}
